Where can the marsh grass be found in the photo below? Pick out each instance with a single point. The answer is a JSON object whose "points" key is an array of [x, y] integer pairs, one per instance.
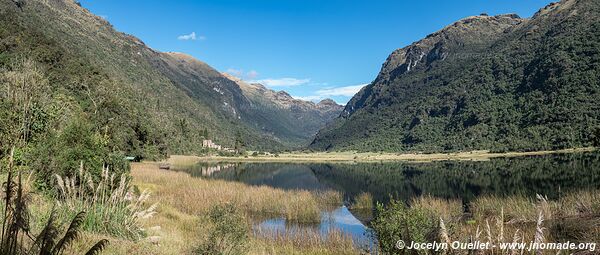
{"points": [[182, 230], [228, 233], [328, 199], [308, 239], [112, 208], [196, 196], [516, 208], [573, 217], [364, 201], [449, 210]]}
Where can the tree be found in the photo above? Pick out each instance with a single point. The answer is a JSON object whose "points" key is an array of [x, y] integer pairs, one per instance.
{"points": [[239, 142], [204, 133]]}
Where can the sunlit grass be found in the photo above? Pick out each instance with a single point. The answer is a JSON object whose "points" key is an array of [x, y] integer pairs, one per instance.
{"points": [[447, 209], [195, 195], [364, 201], [303, 241]]}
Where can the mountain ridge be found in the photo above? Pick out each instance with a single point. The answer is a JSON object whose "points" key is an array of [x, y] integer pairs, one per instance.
{"points": [[518, 84]]}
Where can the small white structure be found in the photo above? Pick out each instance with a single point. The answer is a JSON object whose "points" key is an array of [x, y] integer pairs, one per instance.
{"points": [[211, 145]]}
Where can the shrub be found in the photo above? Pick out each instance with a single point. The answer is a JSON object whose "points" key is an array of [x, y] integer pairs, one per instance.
{"points": [[229, 233], [62, 153], [596, 137], [398, 222]]}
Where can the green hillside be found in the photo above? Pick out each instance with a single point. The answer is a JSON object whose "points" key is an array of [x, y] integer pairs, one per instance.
{"points": [[73, 88], [499, 83]]}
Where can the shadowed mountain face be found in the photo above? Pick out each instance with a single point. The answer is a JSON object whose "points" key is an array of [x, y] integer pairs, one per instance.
{"points": [[145, 102], [484, 82]]}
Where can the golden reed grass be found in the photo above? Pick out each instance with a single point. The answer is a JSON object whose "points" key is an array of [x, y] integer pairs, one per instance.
{"points": [[196, 195], [574, 216]]}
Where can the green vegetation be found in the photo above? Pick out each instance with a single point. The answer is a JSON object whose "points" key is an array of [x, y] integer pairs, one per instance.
{"points": [[75, 92], [596, 138], [493, 83], [398, 222], [16, 237], [108, 95], [571, 218]]}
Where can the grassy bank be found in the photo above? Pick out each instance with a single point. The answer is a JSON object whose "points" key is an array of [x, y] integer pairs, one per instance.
{"points": [[575, 217], [194, 214], [182, 223], [350, 156]]}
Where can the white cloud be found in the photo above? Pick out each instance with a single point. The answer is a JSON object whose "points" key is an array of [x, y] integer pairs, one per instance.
{"points": [[282, 82], [191, 36], [347, 91]]}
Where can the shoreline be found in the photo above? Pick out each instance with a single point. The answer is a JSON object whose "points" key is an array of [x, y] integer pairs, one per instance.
{"points": [[357, 157]]}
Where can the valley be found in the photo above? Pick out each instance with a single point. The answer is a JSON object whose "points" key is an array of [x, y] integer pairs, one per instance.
{"points": [[484, 130]]}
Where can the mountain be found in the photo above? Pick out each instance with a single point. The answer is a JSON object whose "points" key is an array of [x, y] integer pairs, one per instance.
{"points": [[291, 121], [485, 82], [87, 78]]}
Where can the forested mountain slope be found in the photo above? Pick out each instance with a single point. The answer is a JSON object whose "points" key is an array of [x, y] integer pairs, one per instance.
{"points": [[499, 83], [69, 80]]}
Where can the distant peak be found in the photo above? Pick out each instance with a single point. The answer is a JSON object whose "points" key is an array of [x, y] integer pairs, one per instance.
{"points": [[327, 101], [283, 93]]}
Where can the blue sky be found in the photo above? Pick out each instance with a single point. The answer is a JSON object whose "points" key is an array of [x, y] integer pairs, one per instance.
{"points": [[310, 48]]}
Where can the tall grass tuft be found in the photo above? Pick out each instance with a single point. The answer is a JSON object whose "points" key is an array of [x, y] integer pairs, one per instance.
{"points": [[16, 237], [228, 232], [111, 205]]}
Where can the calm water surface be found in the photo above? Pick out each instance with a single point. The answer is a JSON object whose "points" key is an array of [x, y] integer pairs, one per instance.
{"points": [[550, 175]]}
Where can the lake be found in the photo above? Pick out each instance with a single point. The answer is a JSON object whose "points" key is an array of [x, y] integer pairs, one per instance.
{"points": [[549, 175]]}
